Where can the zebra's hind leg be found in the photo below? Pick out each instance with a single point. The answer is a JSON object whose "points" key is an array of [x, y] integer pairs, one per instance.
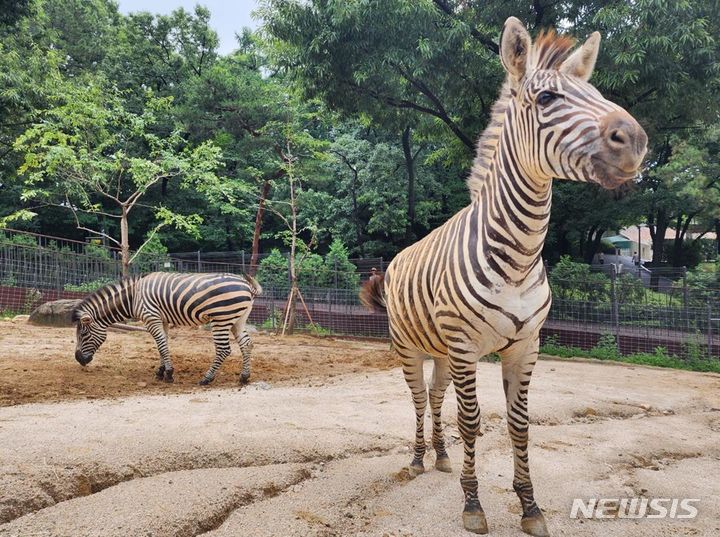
{"points": [[221, 339], [245, 343], [463, 375], [156, 327], [517, 367], [245, 347], [440, 381], [412, 365]]}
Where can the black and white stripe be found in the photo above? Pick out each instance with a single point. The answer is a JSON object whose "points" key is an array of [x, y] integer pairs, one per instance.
{"points": [[477, 284], [223, 301]]}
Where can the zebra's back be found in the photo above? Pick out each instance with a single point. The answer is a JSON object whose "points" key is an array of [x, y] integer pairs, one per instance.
{"points": [[193, 299]]}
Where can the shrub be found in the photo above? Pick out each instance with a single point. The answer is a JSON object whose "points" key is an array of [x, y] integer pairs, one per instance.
{"points": [[89, 287], [574, 281], [273, 270], [152, 257], [98, 251], [629, 289], [339, 267]]}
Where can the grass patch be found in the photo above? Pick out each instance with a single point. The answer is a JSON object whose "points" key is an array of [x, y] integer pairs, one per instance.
{"points": [[659, 358]]}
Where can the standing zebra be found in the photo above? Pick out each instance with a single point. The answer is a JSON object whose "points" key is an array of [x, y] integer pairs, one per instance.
{"points": [[477, 284], [160, 298]]}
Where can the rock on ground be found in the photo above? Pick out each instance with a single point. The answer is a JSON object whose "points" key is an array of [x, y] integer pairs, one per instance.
{"points": [[54, 313]]}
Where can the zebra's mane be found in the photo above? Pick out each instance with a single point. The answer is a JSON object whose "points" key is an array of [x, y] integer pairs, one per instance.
{"points": [[549, 51], [110, 289]]}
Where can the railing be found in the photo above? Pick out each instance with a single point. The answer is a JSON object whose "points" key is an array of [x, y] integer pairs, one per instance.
{"points": [[600, 307]]}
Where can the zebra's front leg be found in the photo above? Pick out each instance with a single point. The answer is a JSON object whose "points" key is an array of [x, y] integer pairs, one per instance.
{"points": [[221, 339], [468, 410], [156, 328], [440, 381], [412, 365], [517, 367]]}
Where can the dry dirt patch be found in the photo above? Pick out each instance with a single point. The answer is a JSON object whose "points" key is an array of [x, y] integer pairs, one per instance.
{"points": [[37, 363]]}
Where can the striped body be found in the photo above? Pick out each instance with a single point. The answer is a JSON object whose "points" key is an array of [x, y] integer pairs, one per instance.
{"points": [[158, 299], [477, 284]]}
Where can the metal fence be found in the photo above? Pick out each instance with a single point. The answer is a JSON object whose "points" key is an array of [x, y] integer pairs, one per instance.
{"points": [[632, 309]]}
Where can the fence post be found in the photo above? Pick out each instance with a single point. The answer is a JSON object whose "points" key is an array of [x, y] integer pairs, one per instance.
{"points": [[243, 261], [709, 330], [615, 306], [199, 263], [686, 306]]}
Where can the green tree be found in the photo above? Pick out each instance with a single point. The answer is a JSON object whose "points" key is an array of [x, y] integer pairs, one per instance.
{"points": [[94, 157]]}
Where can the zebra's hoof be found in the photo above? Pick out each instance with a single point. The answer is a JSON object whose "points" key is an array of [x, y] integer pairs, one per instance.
{"points": [[415, 470], [169, 376], [535, 526], [244, 378], [160, 373], [443, 464], [204, 382], [474, 521]]}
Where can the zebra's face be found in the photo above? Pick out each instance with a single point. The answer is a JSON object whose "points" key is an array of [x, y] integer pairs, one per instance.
{"points": [[562, 126], [89, 336]]}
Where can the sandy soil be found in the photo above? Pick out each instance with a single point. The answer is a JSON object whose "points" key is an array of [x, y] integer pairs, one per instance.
{"points": [[38, 364], [321, 453]]}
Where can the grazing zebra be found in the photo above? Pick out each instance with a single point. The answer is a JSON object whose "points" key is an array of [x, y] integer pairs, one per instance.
{"points": [[477, 284], [160, 298]]}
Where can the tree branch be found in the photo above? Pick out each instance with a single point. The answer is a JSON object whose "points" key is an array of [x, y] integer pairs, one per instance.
{"points": [[485, 41]]}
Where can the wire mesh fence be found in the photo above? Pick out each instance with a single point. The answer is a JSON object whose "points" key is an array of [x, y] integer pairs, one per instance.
{"points": [[632, 310]]}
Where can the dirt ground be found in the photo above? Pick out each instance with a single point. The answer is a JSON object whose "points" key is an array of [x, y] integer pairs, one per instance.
{"points": [[38, 364], [317, 443]]}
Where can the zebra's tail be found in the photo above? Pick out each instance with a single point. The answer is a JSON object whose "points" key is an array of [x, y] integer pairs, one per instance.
{"points": [[256, 287], [372, 293]]}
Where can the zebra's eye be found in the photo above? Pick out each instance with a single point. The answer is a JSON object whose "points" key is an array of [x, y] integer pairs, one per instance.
{"points": [[546, 97]]}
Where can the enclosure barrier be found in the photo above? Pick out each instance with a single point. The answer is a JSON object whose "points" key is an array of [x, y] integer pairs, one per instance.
{"points": [[625, 311]]}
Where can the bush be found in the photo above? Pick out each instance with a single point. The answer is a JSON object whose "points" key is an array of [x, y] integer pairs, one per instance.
{"points": [[18, 239], [97, 251], [574, 281], [339, 267], [629, 289], [311, 272], [314, 271], [152, 257], [273, 270], [89, 287]]}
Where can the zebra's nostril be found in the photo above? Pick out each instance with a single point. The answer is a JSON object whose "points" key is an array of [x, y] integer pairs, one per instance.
{"points": [[618, 137]]}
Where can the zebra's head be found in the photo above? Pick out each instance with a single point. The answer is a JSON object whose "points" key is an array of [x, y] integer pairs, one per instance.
{"points": [[89, 336], [561, 125]]}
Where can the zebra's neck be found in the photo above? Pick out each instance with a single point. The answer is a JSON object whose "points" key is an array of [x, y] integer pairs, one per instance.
{"points": [[112, 303], [513, 208]]}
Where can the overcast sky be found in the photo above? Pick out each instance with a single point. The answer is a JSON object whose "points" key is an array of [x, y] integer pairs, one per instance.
{"points": [[228, 16]]}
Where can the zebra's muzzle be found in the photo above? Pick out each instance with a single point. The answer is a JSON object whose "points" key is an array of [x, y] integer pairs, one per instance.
{"points": [[83, 359]]}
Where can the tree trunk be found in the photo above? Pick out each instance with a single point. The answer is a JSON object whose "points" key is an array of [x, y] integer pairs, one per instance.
{"points": [[657, 234], [290, 324], [717, 235], [124, 243], [258, 227], [593, 244], [410, 165]]}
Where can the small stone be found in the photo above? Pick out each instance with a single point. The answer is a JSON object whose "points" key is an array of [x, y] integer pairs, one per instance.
{"points": [[142, 384], [262, 385], [645, 407]]}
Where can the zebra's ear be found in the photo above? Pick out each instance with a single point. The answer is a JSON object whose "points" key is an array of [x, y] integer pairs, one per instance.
{"points": [[582, 62], [515, 46], [85, 319]]}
